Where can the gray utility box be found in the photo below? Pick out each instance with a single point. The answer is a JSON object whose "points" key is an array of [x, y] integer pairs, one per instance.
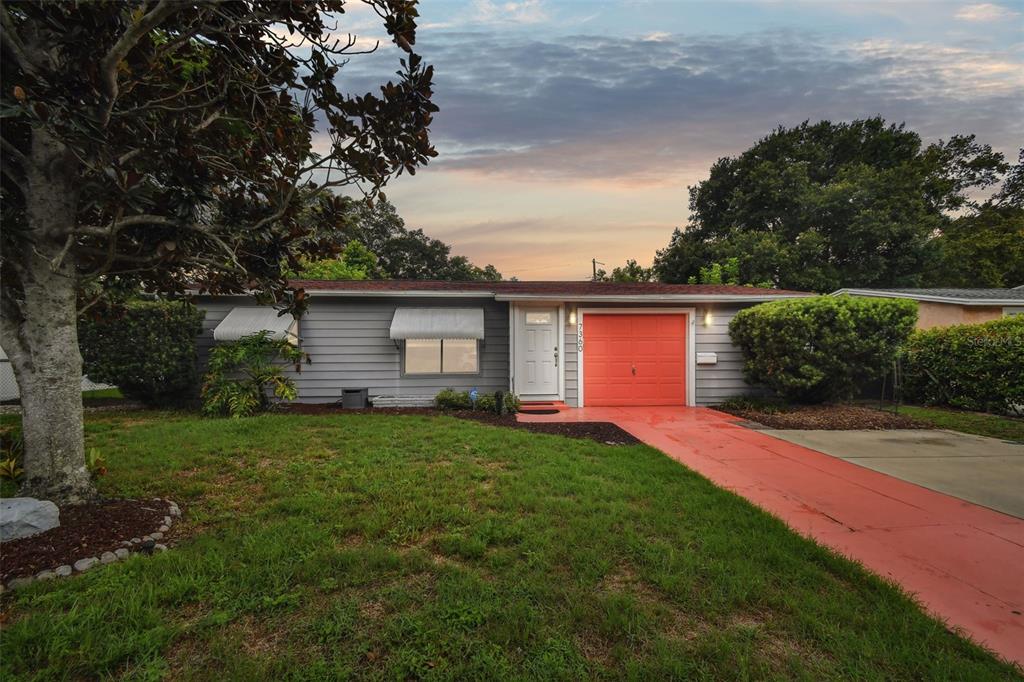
{"points": [[354, 398]]}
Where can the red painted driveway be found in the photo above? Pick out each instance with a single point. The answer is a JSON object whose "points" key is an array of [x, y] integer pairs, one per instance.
{"points": [[964, 562]]}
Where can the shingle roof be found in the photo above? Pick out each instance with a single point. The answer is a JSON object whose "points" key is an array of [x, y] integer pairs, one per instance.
{"points": [[948, 294], [549, 288], [968, 294]]}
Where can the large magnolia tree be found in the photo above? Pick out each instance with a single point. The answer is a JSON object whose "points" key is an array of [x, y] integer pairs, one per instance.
{"points": [[170, 145]]}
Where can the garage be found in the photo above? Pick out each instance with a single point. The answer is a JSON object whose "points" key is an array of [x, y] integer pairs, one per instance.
{"points": [[635, 359]]}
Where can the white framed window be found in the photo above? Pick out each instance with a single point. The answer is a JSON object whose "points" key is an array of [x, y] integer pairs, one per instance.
{"points": [[538, 318], [442, 356]]}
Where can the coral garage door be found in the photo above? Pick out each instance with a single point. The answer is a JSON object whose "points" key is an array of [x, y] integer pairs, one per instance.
{"points": [[634, 359]]}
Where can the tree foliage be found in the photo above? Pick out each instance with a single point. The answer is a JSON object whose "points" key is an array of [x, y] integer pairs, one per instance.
{"points": [[170, 145], [630, 272], [355, 262], [826, 205], [969, 366], [145, 348], [819, 349], [409, 254], [243, 374], [188, 130], [985, 246], [724, 273]]}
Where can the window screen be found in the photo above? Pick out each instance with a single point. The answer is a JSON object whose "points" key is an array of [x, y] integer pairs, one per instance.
{"points": [[437, 356], [423, 356], [458, 356]]}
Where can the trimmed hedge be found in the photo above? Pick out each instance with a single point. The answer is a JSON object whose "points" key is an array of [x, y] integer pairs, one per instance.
{"points": [[145, 348], [969, 366], [820, 349]]}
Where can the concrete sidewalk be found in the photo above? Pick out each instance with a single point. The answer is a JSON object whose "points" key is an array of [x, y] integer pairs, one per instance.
{"points": [[986, 471], [964, 562]]}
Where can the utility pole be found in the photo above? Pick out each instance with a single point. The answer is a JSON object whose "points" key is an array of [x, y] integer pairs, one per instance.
{"points": [[594, 263]]}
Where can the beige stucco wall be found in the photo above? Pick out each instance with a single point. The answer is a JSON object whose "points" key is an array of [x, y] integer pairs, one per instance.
{"points": [[945, 314]]}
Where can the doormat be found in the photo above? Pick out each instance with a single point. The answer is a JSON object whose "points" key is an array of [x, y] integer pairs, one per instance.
{"points": [[528, 411]]}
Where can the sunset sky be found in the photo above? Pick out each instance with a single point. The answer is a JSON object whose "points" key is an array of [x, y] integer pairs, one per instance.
{"points": [[570, 130]]}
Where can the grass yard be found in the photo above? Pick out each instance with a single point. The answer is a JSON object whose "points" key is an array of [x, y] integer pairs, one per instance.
{"points": [[102, 393], [978, 423], [393, 547]]}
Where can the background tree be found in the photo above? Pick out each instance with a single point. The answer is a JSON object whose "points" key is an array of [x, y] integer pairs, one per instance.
{"points": [[169, 145], [724, 273], [830, 204], [985, 247], [409, 254], [630, 272], [355, 262]]}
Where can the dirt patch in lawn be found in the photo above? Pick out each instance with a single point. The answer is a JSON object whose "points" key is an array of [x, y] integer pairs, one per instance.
{"points": [[826, 418], [601, 432], [85, 530]]}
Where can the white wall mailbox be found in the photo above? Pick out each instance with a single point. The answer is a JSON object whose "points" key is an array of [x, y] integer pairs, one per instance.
{"points": [[707, 358]]}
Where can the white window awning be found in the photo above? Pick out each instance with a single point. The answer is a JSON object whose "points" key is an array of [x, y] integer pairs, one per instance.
{"points": [[246, 321], [438, 323]]}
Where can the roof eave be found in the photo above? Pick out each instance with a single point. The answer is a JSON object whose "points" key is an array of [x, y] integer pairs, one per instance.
{"points": [[420, 293], [648, 298]]}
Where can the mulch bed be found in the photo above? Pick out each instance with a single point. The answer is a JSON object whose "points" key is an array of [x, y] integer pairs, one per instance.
{"points": [[601, 432], [828, 418], [85, 530]]}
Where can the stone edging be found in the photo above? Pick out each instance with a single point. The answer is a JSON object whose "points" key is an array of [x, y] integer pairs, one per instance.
{"points": [[147, 544]]}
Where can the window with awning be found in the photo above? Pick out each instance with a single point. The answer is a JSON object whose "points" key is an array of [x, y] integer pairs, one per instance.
{"points": [[245, 321], [439, 340]]}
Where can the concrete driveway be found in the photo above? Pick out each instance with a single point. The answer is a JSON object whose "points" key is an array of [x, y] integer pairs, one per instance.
{"points": [[986, 471], [962, 560]]}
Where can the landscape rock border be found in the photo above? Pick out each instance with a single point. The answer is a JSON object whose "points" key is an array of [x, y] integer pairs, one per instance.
{"points": [[147, 544]]}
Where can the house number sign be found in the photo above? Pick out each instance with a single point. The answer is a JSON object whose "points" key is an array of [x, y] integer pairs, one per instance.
{"points": [[579, 336]]}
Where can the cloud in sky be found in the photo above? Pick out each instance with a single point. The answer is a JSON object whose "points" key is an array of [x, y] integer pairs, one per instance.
{"points": [[559, 147], [521, 12], [632, 110], [984, 12]]}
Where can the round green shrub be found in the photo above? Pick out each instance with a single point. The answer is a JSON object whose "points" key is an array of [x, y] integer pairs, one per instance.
{"points": [[814, 350], [969, 366], [145, 348]]}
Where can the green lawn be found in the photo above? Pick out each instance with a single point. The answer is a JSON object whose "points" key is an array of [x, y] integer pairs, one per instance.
{"points": [[102, 393], [394, 547], [978, 423]]}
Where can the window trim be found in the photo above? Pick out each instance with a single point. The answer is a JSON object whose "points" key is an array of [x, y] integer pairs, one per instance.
{"points": [[441, 374]]}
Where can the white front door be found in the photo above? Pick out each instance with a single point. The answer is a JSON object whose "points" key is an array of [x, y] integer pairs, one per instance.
{"points": [[537, 353]]}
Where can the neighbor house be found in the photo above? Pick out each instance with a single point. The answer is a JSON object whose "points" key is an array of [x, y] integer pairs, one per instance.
{"points": [[946, 307], [582, 343]]}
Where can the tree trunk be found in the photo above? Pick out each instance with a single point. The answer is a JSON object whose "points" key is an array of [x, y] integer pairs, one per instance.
{"points": [[40, 331]]}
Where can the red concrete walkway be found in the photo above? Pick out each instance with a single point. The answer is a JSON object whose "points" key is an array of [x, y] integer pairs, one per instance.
{"points": [[964, 562]]}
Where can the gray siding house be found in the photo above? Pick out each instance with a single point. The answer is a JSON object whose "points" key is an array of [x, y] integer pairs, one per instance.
{"points": [[581, 343]]}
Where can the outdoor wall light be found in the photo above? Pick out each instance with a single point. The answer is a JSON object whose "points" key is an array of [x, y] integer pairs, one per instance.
{"points": [[572, 315], [708, 318]]}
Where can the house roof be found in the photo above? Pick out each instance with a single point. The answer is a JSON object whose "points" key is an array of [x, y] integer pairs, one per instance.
{"points": [[575, 290], [1013, 296]]}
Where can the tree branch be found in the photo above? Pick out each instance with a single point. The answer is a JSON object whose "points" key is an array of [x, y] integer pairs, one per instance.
{"points": [[13, 41], [130, 38]]}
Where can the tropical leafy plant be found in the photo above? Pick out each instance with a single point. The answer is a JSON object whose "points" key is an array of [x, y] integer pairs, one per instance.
{"points": [[95, 462], [244, 374], [9, 469]]}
